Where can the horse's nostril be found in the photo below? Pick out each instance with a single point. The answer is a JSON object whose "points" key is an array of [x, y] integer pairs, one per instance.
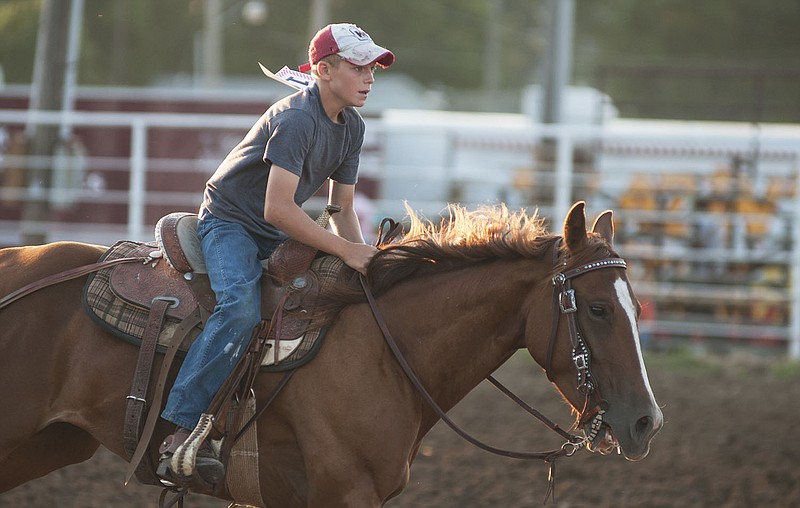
{"points": [[644, 426]]}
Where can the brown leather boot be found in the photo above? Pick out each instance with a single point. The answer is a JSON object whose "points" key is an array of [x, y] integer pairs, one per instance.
{"points": [[207, 464]]}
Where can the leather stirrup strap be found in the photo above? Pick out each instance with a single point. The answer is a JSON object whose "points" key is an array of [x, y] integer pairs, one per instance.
{"points": [[239, 382], [229, 387], [242, 382], [243, 376], [273, 394], [137, 400], [140, 454]]}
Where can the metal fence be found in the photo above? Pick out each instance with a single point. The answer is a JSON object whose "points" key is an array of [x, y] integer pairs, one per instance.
{"points": [[707, 214]]}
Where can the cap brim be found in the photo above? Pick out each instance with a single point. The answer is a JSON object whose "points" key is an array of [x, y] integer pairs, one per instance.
{"points": [[366, 54]]}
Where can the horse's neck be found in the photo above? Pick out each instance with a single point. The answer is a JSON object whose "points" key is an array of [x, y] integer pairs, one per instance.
{"points": [[460, 326]]}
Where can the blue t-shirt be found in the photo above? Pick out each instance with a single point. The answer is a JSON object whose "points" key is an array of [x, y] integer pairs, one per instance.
{"points": [[297, 135]]}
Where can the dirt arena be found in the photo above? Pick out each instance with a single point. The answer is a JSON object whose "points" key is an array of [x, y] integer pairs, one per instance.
{"points": [[727, 442]]}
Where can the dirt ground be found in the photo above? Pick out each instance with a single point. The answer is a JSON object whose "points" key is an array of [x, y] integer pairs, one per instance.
{"points": [[727, 442]]}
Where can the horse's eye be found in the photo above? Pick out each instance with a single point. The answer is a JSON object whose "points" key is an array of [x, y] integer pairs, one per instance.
{"points": [[597, 310]]}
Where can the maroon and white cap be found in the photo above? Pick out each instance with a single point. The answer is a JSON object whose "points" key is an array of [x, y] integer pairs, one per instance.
{"points": [[349, 42]]}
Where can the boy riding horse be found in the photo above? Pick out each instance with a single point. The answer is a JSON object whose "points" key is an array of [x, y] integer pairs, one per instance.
{"points": [[252, 204]]}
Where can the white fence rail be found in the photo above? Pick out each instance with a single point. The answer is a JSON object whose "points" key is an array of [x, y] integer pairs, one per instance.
{"points": [[705, 273]]}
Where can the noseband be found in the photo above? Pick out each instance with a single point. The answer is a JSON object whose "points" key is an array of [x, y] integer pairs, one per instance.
{"points": [[564, 303]]}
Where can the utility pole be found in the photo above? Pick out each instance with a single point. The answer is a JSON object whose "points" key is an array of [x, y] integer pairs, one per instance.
{"points": [[47, 93], [320, 16], [559, 59], [555, 156], [212, 44], [493, 53]]}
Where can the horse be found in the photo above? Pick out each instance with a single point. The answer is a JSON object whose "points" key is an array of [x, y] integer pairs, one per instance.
{"points": [[459, 299]]}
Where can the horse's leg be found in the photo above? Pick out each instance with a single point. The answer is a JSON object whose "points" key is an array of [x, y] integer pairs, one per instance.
{"points": [[53, 447]]}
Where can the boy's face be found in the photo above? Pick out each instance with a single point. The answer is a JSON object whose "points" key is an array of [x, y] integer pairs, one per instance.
{"points": [[351, 83]]}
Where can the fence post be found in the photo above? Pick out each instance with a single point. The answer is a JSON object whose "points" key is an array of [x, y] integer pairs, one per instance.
{"points": [[562, 186], [137, 181], [794, 324]]}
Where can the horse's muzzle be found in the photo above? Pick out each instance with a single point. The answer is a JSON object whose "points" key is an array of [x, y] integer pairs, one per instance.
{"points": [[632, 438]]}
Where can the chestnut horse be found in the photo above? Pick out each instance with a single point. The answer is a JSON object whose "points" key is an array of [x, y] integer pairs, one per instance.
{"points": [[459, 298]]}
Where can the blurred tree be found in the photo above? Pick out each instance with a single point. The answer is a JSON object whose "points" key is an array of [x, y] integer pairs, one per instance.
{"points": [[132, 43], [441, 43], [19, 21], [717, 59], [713, 31]]}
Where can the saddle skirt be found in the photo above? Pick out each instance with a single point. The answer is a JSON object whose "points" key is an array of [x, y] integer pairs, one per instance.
{"points": [[119, 299]]}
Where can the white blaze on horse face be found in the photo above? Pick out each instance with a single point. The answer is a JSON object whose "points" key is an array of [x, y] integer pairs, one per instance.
{"points": [[626, 301]]}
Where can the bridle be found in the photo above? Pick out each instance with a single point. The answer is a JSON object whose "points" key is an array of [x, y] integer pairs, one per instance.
{"points": [[564, 303]]}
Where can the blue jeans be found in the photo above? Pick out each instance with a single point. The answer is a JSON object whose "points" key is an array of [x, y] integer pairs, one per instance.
{"points": [[234, 270]]}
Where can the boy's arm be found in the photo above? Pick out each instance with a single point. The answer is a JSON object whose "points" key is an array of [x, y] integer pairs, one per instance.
{"points": [[345, 223], [281, 211]]}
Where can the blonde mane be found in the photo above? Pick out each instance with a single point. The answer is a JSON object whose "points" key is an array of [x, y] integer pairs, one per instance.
{"points": [[461, 239], [472, 236]]}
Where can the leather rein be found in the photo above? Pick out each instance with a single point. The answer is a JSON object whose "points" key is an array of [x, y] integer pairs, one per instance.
{"points": [[564, 303], [64, 276]]}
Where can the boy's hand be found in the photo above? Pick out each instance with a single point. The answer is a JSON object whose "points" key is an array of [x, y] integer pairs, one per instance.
{"points": [[358, 255]]}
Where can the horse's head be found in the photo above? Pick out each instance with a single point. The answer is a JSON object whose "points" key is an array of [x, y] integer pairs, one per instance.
{"points": [[593, 355]]}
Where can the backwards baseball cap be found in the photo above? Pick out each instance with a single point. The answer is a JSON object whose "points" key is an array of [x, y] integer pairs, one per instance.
{"points": [[349, 42]]}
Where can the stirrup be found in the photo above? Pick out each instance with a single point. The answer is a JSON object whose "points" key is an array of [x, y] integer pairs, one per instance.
{"points": [[176, 500]]}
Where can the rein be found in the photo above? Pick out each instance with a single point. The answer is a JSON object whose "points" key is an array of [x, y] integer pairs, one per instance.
{"points": [[548, 456], [64, 276], [564, 303]]}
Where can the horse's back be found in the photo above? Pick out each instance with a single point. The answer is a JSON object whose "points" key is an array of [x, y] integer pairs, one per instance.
{"points": [[22, 265]]}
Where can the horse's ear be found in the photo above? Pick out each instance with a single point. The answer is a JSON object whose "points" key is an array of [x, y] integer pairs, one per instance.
{"points": [[604, 226], [575, 226]]}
